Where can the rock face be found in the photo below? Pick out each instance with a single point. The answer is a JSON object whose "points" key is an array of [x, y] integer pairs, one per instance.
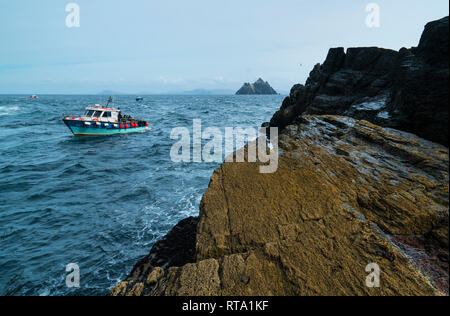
{"points": [[259, 87], [176, 249], [406, 90], [347, 193]]}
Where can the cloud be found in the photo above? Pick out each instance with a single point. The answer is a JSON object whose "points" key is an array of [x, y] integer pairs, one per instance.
{"points": [[219, 79], [169, 81]]}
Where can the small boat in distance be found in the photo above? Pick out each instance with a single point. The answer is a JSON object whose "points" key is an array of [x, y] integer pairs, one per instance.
{"points": [[98, 120], [139, 99], [33, 97]]}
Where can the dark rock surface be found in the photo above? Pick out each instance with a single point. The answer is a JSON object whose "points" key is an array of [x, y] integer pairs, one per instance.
{"points": [[175, 249], [259, 87], [406, 90]]}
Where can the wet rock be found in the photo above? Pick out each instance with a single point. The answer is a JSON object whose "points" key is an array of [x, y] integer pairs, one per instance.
{"points": [[176, 249], [154, 276], [341, 152], [311, 229], [120, 289], [428, 256]]}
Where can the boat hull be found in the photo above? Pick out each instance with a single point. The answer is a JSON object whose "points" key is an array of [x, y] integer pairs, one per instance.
{"points": [[78, 128]]}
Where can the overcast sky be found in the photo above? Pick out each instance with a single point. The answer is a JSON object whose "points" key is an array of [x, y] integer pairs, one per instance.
{"points": [[158, 46]]}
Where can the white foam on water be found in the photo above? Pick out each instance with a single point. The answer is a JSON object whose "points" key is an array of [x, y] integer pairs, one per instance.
{"points": [[4, 110]]}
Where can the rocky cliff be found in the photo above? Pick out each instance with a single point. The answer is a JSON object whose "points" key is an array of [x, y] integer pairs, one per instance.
{"points": [[406, 90], [347, 192], [259, 87]]}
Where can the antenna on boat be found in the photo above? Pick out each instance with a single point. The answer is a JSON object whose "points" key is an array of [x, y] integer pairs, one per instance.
{"points": [[109, 101]]}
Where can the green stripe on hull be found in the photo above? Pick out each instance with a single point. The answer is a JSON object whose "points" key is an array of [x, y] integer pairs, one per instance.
{"points": [[83, 131]]}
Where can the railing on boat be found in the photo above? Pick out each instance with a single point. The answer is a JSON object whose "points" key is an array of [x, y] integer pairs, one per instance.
{"points": [[69, 115]]}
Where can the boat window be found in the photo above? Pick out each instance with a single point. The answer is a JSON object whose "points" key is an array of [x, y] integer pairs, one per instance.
{"points": [[106, 114], [97, 113], [89, 113]]}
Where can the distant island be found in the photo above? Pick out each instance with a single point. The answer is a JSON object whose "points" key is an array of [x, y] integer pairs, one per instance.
{"points": [[259, 87]]}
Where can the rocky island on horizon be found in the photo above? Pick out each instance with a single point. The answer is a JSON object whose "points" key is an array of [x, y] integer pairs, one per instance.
{"points": [[259, 87], [355, 186]]}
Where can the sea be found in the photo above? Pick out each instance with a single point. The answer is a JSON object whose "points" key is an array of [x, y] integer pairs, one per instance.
{"points": [[98, 202]]}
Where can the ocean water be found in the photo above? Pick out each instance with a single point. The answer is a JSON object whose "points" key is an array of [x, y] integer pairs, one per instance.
{"points": [[99, 202]]}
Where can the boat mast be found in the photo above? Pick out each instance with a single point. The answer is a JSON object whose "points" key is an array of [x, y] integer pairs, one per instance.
{"points": [[109, 101]]}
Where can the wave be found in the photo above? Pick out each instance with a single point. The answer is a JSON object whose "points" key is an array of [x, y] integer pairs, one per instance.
{"points": [[4, 110], [100, 202]]}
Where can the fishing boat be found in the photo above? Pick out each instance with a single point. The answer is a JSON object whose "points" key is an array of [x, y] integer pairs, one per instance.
{"points": [[103, 120], [139, 99], [33, 96]]}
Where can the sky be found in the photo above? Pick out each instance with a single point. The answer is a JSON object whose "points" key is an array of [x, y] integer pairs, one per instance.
{"points": [[153, 46]]}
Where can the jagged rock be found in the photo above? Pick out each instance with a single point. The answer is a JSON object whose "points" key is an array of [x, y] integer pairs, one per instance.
{"points": [[419, 99], [406, 90], [154, 276], [433, 47], [176, 249], [259, 87], [347, 193]]}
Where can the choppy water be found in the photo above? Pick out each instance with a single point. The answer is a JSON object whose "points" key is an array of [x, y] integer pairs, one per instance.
{"points": [[98, 202]]}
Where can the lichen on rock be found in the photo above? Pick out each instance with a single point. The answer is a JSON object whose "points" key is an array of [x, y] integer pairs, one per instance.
{"points": [[347, 193]]}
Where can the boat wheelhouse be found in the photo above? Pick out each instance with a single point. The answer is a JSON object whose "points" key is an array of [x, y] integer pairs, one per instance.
{"points": [[98, 120]]}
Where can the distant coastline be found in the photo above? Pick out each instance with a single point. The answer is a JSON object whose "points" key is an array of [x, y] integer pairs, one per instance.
{"points": [[112, 93]]}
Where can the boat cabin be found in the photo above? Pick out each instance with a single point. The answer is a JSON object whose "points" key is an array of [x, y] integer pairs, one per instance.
{"points": [[101, 114]]}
